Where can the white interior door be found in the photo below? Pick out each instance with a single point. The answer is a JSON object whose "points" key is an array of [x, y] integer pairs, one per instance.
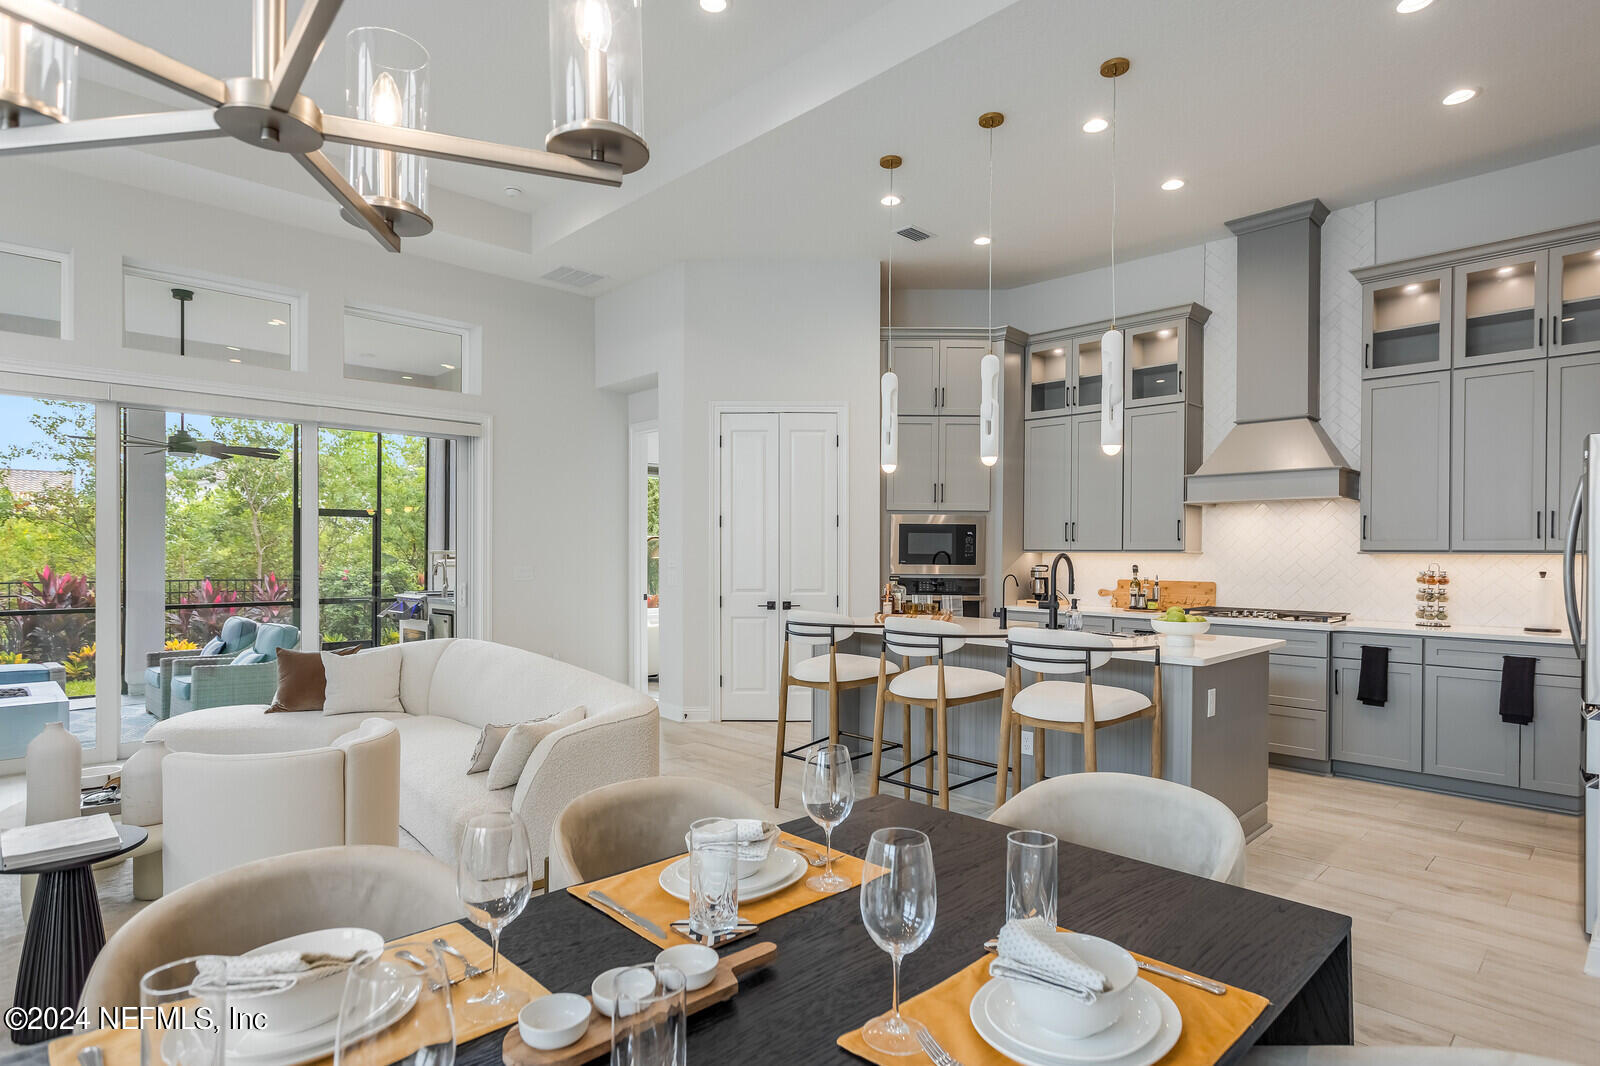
{"points": [[779, 494]]}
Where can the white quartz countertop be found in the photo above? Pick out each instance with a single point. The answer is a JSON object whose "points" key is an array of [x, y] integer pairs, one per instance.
{"points": [[1208, 649]]}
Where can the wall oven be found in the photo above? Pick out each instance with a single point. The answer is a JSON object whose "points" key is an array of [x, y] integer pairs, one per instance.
{"points": [[935, 545]]}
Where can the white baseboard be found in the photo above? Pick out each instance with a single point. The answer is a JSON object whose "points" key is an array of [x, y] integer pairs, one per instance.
{"points": [[695, 714]]}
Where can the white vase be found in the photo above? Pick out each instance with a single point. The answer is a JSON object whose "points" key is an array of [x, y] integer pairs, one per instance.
{"points": [[54, 763], [141, 784]]}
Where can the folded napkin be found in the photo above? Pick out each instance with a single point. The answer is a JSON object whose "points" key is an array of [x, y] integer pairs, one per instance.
{"points": [[274, 969], [734, 830], [1035, 952]]}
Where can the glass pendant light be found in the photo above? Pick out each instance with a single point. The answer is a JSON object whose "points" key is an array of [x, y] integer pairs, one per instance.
{"points": [[38, 74], [889, 387], [386, 81], [989, 366], [597, 81], [1112, 355]]}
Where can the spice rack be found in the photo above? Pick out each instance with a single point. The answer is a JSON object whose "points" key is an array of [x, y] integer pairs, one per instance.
{"points": [[1433, 596]]}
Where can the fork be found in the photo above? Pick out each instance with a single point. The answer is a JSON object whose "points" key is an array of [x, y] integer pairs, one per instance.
{"points": [[450, 949], [939, 1055], [806, 853]]}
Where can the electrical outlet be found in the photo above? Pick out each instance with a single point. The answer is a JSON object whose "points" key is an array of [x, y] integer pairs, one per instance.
{"points": [[1211, 703], [1027, 742]]}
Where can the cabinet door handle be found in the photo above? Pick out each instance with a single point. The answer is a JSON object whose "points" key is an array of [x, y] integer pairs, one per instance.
{"points": [[1556, 330], [1180, 531], [936, 397], [1180, 382], [1363, 527], [1552, 521], [1066, 532], [1366, 355], [1538, 524], [1335, 682], [1541, 332]]}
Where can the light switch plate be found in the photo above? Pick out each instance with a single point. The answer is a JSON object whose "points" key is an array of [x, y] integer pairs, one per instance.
{"points": [[1027, 742], [1211, 703]]}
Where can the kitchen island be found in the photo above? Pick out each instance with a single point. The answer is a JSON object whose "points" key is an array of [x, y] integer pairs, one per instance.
{"points": [[1214, 717]]}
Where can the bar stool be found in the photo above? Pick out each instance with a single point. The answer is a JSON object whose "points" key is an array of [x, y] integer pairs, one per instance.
{"points": [[1080, 707], [936, 688], [832, 673]]}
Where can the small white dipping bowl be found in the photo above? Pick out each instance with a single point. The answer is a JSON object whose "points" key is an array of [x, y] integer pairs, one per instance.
{"points": [[314, 999], [604, 991], [1058, 1013], [696, 962], [553, 1021], [1179, 634]]}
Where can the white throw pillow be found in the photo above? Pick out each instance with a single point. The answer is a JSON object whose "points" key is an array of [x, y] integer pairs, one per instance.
{"points": [[489, 742], [368, 683], [515, 750]]}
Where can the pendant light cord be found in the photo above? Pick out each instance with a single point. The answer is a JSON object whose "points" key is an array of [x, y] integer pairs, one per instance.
{"points": [[890, 298], [1113, 203], [990, 231]]}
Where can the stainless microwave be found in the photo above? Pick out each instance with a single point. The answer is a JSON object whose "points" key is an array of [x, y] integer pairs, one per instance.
{"points": [[936, 544]]}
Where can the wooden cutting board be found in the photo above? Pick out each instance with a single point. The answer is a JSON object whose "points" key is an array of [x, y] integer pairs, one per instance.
{"points": [[1173, 594]]}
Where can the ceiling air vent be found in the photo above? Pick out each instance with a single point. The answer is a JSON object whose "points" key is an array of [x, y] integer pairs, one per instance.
{"points": [[912, 233], [565, 275]]}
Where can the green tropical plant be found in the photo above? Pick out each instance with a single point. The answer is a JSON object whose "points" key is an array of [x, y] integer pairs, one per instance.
{"points": [[80, 664]]}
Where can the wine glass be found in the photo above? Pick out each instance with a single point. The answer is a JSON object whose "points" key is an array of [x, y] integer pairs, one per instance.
{"points": [[828, 793], [897, 907], [1031, 877], [396, 1010], [494, 880]]}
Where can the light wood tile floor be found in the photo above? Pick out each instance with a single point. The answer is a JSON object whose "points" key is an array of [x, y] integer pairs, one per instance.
{"points": [[1466, 913]]}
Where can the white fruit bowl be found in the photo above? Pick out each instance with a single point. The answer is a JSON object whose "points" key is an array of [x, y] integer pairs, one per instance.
{"points": [[1179, 634]]}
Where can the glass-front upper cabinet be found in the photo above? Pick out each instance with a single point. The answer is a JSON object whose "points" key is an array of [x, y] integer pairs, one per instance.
{"points": [[1156, 362], [1575, 298], [1048, 384], [1407, 325], [1086, 363], [1500, 309]]}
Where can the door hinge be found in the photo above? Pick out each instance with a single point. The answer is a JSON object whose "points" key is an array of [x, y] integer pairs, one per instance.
{"points": [[719, 521], [835, 521], [719, 680], [836, 601], [719, 440], [719, 601]]}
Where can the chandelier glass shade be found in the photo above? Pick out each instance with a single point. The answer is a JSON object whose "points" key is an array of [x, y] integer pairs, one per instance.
{"points": [[38, 74], [386, 82], [597, 80]]}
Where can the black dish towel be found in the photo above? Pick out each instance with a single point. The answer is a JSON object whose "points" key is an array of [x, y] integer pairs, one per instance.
{"points": [[1516, 689], [1373, 688]]}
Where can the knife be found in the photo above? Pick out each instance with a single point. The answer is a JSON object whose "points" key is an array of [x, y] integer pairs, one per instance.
{"points": [[637, 919], [1205, 984]]}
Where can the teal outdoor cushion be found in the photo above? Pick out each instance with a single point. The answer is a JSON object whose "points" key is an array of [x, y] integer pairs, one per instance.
{"points": [[237, 635], [182, 686], [213, 646], [152, 677]]}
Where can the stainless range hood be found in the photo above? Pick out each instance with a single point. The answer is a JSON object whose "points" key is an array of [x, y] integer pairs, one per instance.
{"points": [[1278, 449]]}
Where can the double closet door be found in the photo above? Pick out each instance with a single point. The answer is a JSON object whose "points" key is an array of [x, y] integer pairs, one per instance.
{"points": [[779, 487]]}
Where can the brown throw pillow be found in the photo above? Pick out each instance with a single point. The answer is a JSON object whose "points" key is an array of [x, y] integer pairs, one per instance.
{"points": [[302, 684]]}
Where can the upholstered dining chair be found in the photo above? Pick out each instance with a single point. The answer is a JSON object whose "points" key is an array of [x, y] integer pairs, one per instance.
{"points": [[833, 673], [1347, 1055], [633, 823], [936, 687], [1145, 818], [389, 890], [1081, 707]]}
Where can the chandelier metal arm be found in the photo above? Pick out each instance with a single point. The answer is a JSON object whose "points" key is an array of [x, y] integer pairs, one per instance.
{"points": [[122, 131], [328, 176], [466, 150], [305, 39], [110, 45]]}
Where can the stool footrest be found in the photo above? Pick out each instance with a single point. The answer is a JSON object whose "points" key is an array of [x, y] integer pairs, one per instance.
{"points": [[893, 776], [797, 752]]}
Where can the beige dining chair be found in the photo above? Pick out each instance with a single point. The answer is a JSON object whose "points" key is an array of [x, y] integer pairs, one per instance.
{"points": [[389, 890], [1344, 1055], [1145, 818], [633, 823], [833, 673], [1080, 707]]}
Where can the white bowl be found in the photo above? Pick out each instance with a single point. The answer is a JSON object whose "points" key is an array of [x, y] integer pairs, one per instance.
{"points": [[753, 854], [604, 991], [1060, 1014], [553, 1021], [314, 999], [696, 962], [1179, 634]]}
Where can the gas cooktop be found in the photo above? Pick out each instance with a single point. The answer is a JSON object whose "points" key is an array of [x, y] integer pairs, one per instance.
{"points": [[1268, 615]]}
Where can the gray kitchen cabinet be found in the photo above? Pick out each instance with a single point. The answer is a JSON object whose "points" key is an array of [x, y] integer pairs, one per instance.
{"points": [[1405, 323], [960, 387], [1463, 735], [1088, 382], [1574, 412], [963, 479], [1049, 383], [916, 364], [1497, 474], [1158, 362], [1551, 746], [1405, 463], [1575, 298], [1390, 735], [1046, 503], [1153, 450], [1499, 309], [1298, 733], [914, 485], [1095, 521]]}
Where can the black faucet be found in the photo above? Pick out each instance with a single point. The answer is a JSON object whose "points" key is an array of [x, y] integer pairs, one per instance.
{"points": [[1072, 583], [1000, 612]]}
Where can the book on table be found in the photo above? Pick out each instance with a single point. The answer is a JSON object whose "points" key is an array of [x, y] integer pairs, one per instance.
{"points": [[53, 842]]}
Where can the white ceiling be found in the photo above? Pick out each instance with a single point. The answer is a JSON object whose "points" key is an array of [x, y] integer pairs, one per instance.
{"points": [[766, 122]]}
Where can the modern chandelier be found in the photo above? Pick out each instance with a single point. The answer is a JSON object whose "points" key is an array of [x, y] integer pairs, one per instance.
{"points": [[596, 81]]}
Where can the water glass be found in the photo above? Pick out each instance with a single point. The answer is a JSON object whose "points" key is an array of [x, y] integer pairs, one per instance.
{"points": [[828, 792], [494, 878], [713, 877], [898, 902], [396, 1010], [1031, 875], [183, 1018], [648, 1022]]}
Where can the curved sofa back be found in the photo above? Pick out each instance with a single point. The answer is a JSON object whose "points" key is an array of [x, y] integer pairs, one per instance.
{"points": [[479, 682]]}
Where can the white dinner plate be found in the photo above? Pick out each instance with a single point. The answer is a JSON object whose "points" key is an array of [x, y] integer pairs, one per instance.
{"points": [[782, 869], [264, 1048], [1001, 1041], [1138, 1025]]}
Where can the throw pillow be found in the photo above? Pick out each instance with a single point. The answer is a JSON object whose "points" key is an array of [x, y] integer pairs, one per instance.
{"points": [[213, 646], [517, 748], [489, 742], [368, 683], [302, 684]]}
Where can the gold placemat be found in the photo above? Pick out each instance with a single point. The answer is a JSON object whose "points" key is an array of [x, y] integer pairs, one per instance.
{"points": [[640, 891], [121, 1046], [1211, 1023]]}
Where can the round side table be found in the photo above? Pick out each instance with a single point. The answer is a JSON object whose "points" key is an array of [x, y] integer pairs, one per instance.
{"points": [[65, 932]]}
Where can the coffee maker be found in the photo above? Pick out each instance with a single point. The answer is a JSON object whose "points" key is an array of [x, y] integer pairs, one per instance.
{"points": [[1041, 584]]}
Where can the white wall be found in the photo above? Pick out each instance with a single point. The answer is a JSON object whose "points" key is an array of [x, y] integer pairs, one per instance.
{"points": [[557, 449]]}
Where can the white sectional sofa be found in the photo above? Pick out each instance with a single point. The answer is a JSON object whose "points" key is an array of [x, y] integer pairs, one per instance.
{"points": [[450, 689]]}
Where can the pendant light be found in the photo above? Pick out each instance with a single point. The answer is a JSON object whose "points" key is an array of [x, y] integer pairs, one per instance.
{"points": [[1112, 354], [889, 387], [38, 72], [989, 366], [597, 81], [386, 81]]}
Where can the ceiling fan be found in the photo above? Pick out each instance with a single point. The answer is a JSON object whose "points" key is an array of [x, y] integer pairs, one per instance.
{"points": [[183, 442], [596, 80]]}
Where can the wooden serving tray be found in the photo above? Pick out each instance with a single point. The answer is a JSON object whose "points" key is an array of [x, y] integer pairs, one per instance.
{"points": [[597, 1040], [939, 616], [1173, 594]]}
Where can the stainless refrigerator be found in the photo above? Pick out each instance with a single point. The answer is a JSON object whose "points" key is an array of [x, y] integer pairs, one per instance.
{"points": [[1583, 614]]}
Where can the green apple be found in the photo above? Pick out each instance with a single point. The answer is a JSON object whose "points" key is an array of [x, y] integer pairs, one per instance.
{"points": [[1174, 614]]}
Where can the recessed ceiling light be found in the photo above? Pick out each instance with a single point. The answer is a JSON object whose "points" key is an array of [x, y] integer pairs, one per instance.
{"points": [[405, 377], [276, 322], [1596, 253], [1459, 96], [1172, 184], [1414, 287], [235, 360], [1506, 272], [230, 348], [448, 366], [980, 241], [891, 201], [1164, 333], [1058, 351], [513, 191], [1406, 7], [1096, 125], [715, 7]]}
